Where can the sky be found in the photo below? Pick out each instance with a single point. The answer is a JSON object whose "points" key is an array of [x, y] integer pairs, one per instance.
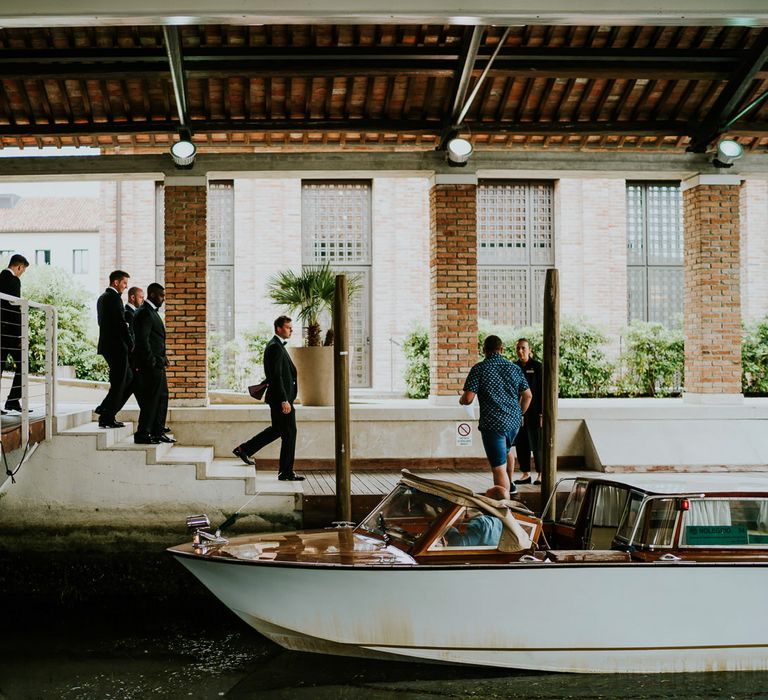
{"points": [[48, 189]]}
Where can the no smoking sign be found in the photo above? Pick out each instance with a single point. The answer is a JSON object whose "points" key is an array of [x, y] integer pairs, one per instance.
{"points": [[463, 434]]}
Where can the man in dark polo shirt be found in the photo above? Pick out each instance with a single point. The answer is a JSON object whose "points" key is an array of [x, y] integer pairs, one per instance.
{"points": [[529, 437], [503, 395]]}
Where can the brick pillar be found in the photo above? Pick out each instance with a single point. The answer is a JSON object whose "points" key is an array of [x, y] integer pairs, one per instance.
{"points": [[712, 305], [453, 283], [185, 290]]}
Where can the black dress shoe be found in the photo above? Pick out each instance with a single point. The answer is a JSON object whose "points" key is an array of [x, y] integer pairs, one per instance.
{"points": [[145, 439], [290, 477], [166, 429], [164, 438], [527, 480], [238, 452], [537, 482], [111, 424]]}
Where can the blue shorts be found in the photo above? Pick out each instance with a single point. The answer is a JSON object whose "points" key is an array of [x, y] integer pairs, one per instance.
{"points": [[497, 444]]}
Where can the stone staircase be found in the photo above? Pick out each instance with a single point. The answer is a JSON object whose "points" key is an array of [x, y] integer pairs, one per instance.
{"points": [[192, 473]]}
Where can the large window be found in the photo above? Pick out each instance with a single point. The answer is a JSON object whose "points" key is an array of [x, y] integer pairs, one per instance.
{"points": [[80, 261], [221, 258], [42, 257], [655, 253], [336, 229], [515, 247]]}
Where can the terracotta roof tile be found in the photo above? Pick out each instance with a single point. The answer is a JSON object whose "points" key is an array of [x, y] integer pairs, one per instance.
{"points": [[51, 214]]}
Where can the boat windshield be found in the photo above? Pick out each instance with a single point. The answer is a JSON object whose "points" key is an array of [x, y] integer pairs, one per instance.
{"points": [[405, 515]]}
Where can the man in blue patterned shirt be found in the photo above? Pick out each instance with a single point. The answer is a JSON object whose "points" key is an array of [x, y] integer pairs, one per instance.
{"points": [[503, 395]]}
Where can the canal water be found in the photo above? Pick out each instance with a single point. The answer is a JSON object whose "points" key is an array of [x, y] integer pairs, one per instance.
{"points": [[208, 653], [108, 615]]}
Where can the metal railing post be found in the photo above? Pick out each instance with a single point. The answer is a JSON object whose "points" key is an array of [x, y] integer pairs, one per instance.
{"points": [[24, 307], [51, 362]]}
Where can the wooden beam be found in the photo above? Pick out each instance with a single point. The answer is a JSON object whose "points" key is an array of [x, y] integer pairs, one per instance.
{"points": [[730, 98], [408, 126]]}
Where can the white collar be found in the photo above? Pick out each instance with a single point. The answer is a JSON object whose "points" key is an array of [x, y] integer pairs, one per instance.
{"points": [[147, 301]]}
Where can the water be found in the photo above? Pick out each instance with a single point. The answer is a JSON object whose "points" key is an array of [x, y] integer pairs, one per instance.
{"points": [[208, 653]]}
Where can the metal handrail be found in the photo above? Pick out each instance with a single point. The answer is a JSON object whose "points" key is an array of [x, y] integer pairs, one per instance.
{"points": [[51, 363]]}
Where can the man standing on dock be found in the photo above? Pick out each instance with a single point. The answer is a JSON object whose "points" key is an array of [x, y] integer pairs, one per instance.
{"points": [[10, 327], [504, 396], [529, 437], [281, 393], [115, 345]]}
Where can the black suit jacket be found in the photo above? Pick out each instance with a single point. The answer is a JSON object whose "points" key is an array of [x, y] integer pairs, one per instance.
{"points": [[149, 332], [10, 316], [130, 312], [280, 373], [114, 338]]}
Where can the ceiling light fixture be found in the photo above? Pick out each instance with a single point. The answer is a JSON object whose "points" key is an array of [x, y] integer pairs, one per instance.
{"points": [[458, 151], [183, 151], [727, 152]]}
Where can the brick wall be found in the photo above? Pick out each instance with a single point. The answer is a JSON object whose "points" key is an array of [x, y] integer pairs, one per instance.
{"points": [[267, 240], [185, 293], [591, 251], [754, 249], [712, 310], [453, 280], [399, 279], [133, 250]]}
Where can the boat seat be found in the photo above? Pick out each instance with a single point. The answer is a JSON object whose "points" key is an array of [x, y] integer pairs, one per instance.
{"points": [[587, 555]]}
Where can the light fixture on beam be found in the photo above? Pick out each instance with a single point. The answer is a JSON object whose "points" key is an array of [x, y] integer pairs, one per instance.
{"points": [[727, 152], [458, 151], [183, 151]]}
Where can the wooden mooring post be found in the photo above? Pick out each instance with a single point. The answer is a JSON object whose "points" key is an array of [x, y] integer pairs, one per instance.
{"points": [[341, 399], [549, 404]]}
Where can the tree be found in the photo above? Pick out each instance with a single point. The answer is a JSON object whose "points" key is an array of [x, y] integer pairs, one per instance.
{"points": [[76, 322]]}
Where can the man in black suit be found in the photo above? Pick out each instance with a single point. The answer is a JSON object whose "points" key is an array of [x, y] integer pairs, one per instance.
{"points": [[115, 345], [135, 300], [151, 361], [10, 327], [281, 393]]}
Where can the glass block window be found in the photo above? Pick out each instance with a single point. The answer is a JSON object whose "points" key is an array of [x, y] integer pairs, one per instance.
{"points": [[221, 258], [336, 229], [336, 222], [515, 247], [655, 253], [80, 262]]}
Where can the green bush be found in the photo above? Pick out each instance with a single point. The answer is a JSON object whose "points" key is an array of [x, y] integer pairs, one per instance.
{"points": [[76, 322], [754, 358], [653, 360], [584, 368], [416, 349], [238, 362]]}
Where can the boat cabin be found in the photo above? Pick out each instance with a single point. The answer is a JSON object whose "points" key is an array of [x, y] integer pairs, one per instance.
{"points": [[701, 516]]}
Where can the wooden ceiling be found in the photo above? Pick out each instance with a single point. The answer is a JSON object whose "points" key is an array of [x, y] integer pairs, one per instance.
{"points": [[334, 87]]}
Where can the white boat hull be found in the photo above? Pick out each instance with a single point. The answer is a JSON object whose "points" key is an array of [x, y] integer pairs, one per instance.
{"points": [[629, 618]]}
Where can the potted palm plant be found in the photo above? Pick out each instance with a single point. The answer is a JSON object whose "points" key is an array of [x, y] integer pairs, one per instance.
{"points": [[310, 295]]}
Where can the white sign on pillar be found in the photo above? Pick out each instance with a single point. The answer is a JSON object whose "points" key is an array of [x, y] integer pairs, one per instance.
{"points": [[464, 434]]}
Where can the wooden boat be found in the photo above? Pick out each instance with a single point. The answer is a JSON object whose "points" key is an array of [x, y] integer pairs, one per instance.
{"points": [[639, 574]]}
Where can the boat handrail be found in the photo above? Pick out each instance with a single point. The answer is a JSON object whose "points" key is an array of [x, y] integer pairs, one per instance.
{"points": [[554, 491]]}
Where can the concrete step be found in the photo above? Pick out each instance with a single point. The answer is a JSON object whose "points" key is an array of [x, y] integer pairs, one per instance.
{"points": [[71, 419], [155, 453], [106, 438]]}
